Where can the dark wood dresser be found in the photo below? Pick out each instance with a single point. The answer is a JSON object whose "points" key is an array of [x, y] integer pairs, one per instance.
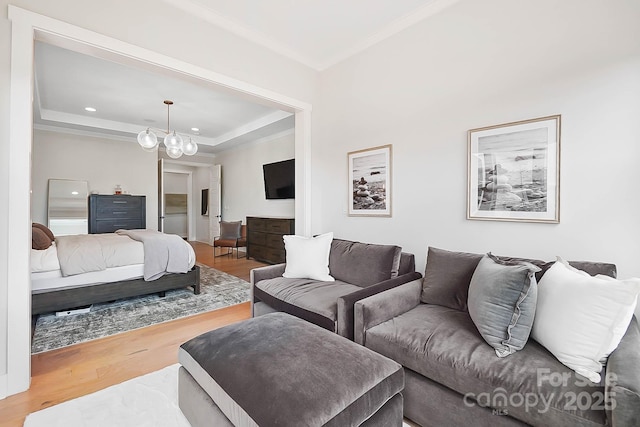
{"points": [[109, 213], [264, 238]]}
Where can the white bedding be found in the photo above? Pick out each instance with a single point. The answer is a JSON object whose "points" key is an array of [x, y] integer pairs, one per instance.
{"points": [[48, 280], [124, 258]]}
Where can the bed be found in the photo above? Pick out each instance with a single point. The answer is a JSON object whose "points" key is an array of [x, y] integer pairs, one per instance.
{"points": [[77, 271]]}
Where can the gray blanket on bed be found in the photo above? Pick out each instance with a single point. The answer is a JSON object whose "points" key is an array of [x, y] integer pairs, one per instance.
{"points": [[163, 253]]}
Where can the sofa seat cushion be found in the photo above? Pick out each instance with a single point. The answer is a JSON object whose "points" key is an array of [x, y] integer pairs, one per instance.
{"points": [[305, 298], [531, 385]]}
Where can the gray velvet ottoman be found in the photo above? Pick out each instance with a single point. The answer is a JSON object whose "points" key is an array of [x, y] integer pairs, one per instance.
{"points": [[278, 370]]}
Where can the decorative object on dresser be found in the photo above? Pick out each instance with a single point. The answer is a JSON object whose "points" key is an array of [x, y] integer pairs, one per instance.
{"points": [[264, 238], [109, 213]]}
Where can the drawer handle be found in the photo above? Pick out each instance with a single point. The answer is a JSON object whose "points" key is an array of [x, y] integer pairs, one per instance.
{"points": [[120, 213], [122, 202]]}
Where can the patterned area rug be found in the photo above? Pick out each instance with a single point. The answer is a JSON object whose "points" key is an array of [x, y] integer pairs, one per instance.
{"points": [[218, 289]]}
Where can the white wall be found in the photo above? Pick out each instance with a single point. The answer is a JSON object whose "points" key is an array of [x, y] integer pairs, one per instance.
{"points": [[243, 182], [478, 64], [138, 23], [102, 162]]}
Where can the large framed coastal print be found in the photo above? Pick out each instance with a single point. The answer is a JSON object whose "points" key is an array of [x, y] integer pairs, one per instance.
{"points": [[370, 182], [514, 171]]}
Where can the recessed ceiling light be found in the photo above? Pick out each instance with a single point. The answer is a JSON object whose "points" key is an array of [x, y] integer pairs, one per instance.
{"points": [[90, 109], [195, 129], [75, 193]]}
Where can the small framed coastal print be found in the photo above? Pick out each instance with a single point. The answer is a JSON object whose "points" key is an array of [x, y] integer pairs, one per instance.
{"points": [[370, 182], [514, 171]]}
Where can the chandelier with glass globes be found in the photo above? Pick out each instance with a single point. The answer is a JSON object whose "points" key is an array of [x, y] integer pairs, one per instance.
{"points": [[175, 145]]}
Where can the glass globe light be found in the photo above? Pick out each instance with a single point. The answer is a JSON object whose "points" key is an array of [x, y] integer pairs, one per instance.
{"points": [[153, 149], [147, 139], [190, 148], [174, 152], [173, 140]]}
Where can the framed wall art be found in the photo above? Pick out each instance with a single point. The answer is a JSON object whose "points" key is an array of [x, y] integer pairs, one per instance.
{"points": [[514, 171], [204, 202], [370, 182]]}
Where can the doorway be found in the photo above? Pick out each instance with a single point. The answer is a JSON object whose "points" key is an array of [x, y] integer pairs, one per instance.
{"points": [[27, 27]]}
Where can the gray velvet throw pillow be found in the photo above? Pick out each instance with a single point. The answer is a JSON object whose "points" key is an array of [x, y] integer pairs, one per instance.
{"points": [[447, 277], [230, 229], [502, 302]]}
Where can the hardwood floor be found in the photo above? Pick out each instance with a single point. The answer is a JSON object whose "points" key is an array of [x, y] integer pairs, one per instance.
{"points": [[70, 372]]}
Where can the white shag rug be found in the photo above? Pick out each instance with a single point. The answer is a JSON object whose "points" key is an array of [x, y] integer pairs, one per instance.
{"points": [[147, 401]]}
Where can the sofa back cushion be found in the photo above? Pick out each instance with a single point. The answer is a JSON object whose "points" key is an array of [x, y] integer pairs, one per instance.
{"points": [[447, 277], [363, 264], [407, 264]]}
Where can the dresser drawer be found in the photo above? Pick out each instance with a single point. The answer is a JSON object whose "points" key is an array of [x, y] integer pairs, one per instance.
{"points": [[276, 256], [118, 212], [118, 202], [257, 252], [265, 238], [258, 238], [257, 224], [282, 226], [108, 213], [274, 241], [111, 225]]}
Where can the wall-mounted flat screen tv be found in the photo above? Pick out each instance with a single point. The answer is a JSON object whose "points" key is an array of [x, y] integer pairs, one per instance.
{"points": [[280, 179]]}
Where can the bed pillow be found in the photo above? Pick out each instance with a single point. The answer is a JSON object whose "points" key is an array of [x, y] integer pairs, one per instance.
{"points": [[502, 302], [46, 230], [230, 230], [581, 319], [447, 277], [39, 239], [308, 257]]}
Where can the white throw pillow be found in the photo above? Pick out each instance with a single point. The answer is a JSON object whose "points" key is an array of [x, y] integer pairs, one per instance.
{"points": [[308, 257], [580, 318]]}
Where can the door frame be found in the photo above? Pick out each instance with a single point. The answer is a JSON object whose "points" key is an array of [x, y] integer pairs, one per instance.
{"points": [[27, 26], [190, 220]]}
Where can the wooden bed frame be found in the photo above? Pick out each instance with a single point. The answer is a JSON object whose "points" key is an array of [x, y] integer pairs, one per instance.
{"points": [[46, 301]]}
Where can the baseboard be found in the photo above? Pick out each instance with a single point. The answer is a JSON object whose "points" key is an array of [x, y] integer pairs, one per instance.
{"points": [[3, 386]]}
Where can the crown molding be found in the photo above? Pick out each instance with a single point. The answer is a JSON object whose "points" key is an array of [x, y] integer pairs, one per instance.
{"points": [[234, 27], [398, 25]]}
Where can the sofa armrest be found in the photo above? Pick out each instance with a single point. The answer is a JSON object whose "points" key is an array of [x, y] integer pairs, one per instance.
{"points": [[268, 272], [384, 306], [622, 379], [346, 302]]}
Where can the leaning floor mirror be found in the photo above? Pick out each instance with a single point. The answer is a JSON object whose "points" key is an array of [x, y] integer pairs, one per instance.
{"points": [[67, 207]]}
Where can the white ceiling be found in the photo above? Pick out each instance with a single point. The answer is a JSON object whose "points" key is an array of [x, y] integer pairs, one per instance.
{"points": [[317, 33]]}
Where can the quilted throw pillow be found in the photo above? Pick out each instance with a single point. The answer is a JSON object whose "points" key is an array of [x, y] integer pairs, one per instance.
{"points": [[502, 302]]}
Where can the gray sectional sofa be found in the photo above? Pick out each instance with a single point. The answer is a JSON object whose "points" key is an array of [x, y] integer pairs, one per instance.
{"points": [[454, 378], [360, 270]]}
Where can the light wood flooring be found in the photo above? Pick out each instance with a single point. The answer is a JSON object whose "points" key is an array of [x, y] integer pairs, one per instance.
{"points": [[70, 372]]}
